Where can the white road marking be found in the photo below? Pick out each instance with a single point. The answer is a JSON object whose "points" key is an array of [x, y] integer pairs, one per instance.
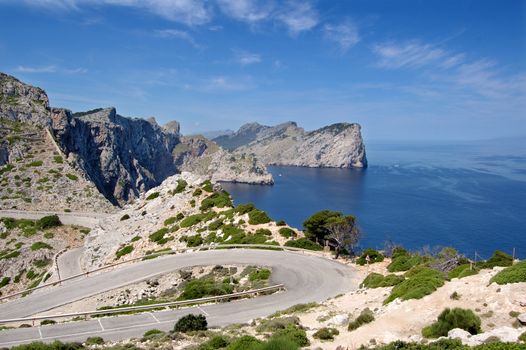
{"points": [[155, 318], [40, 333], [203, 311], [101, 326]]}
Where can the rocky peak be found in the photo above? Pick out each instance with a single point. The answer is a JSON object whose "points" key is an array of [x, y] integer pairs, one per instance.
{"points": [[172, 127], [22, 102]]}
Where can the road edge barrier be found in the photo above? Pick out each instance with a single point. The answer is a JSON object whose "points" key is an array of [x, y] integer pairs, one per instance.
{"points": [[273, 288]]}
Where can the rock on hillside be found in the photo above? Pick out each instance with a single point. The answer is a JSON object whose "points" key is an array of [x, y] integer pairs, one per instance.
{"points": [[122, 156], [338, 145], [37, 176], [22, 102], [185, 210], [198, 155]]}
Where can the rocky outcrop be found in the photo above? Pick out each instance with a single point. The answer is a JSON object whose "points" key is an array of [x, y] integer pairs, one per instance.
{"points": [[336, 146], [198, 155], [122, 156], [22, 102]]}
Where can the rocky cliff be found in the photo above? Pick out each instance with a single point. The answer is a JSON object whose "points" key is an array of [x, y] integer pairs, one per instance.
{"points": [[121, 156], [338, 145]]}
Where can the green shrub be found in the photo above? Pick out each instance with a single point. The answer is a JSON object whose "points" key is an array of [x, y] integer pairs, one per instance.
{"points": [[125, 217], [191, 220], [190, 323], [281, 223], [216, 342], [374, 256], [207, 186], [463, 270], [197, 192], [215, 225], [420, 282], [293, 334], [181, 186], [58, 159], [264, 232], [49, 235], [36, 163], [522, 337], [46, 322], [275, 324], [245, 342], [450, 319], [48, 222], [4, 281], [244, 208], [179, 216], [403, 261], [366, 316], [326, 333], [499, 258], [136, 238], [376, 280], [152, 333], [512, 274], [170, 221], [192, 241], [41, 263], [294, 309], [72, 177], [40, 245], [218, 200], [287, 232], [257, 275], [152, 195], [124, 251], [304, 243], [94, 341], [159, 236], [204, 287], [277, 344], [257, 217], [56, 345]]}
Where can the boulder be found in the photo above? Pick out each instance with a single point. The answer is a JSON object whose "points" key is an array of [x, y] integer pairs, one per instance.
{"points": [[522, 318]]}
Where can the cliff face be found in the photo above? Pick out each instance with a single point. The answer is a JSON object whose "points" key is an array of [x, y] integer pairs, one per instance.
{"points": [[201, 156], [336, 146], [121, 156]]}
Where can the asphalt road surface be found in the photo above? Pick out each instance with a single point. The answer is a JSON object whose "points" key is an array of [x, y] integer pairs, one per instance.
{"points": [[306, 278]]}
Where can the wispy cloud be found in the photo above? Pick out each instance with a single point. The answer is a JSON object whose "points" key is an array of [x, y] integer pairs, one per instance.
{"points": [[344, 34], [250, 11], [189, 12], [246, 58], [298, 16], [411, 54], [50, 69], [223, 83], [178, 34]]}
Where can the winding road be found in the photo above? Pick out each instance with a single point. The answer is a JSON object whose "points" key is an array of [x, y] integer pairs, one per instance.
{"points": [[306, 278]]}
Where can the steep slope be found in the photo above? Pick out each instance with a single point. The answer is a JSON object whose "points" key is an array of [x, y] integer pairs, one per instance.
{"points": [[37, 175], [184, 211], [338, 145]]}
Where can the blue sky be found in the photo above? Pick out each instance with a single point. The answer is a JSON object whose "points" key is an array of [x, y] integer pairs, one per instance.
{"points": [[405, 70]]}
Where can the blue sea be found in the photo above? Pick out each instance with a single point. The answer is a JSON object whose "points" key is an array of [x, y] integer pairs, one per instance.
{"points": [[471, 196]]}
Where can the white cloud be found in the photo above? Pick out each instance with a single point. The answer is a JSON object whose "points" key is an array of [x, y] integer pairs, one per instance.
{"points": [[250, 11], [177, 34], [190, 12], [44, 69], [411, 54], [245, 58], [50, 69], [344, 34], [298, 16], [223, 83]]}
